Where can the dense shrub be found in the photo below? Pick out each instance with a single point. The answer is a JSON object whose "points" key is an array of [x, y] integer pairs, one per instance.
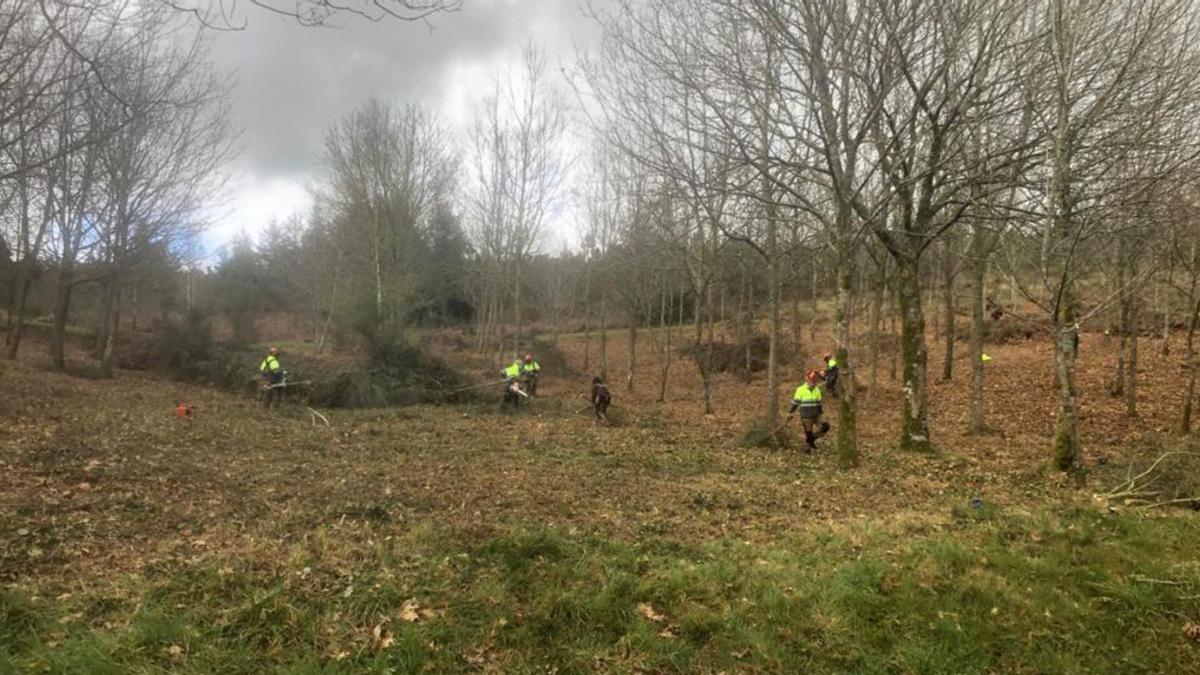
{"points": [[187, 351], [731, 357], [396, 374], [185, 341]]}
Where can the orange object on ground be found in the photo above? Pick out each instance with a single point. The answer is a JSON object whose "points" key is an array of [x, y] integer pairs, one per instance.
{"points": [[183, 410]]}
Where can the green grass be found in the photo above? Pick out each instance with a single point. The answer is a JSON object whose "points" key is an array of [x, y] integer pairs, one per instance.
{"points": [[1080, 592]]}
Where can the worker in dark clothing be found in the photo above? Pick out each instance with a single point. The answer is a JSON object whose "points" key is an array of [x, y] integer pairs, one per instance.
{"points": [[807, 400], [831, 374], [601, 399]]}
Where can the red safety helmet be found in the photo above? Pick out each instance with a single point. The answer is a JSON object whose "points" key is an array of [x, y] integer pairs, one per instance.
{"points": [[529, 358]]}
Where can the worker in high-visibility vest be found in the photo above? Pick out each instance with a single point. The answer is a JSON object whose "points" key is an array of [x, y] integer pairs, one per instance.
{"points": [[530, 372], [272, 377], [807, 400], [512, 382], [830, 374]]}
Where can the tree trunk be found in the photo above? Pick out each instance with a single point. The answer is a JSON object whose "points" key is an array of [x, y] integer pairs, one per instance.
{"points": [[518, 327], [914, 426], [773, 320], [62, 307], [722, 303], [948, 309], [747, 325], [665, 359], [712, 317], [1131, 368], [1189, 400], [797, 331], [324, 331], [604, 334], [847, 432], [587, 323], [812, 309], [682, 295], [1068, 455], [100, 339], [978, 273], [17, 317], [1164, 348], [633, 336], [895, 311], [110, 339], [378, 275], [1117, 386], [876, 326], [703, 356]]}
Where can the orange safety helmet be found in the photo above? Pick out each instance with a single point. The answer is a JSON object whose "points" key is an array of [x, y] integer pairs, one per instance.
{"points": [[529, 358], [811, 377]]}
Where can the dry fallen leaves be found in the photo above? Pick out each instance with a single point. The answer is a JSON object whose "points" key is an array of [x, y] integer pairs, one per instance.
{"points": [[647, 610], [410, 612], [383, 638], [1192, 630]]}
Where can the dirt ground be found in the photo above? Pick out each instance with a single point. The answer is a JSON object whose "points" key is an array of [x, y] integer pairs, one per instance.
{"points": [[98, 478]]}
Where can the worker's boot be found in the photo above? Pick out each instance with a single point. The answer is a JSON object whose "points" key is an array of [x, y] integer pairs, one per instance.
{"points": [[824, 428], [810, 441]]}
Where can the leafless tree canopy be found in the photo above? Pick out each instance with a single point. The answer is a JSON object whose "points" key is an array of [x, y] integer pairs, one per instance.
{"points": [[235, 14]]}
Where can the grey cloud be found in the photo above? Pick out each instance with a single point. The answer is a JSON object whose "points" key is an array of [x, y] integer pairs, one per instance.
{"points": [[293, 82]]}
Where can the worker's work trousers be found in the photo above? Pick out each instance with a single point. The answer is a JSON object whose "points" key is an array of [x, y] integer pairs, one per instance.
{"points": [[600, 405], [814, 429], [272, 395], [511, 397], [813, 425], [831, 381]]}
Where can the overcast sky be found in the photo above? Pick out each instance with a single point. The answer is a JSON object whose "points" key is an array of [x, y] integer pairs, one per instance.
{"points": [[293, 82]]}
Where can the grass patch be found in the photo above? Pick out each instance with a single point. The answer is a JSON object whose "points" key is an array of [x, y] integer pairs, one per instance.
{"points": [[1076, 592]]}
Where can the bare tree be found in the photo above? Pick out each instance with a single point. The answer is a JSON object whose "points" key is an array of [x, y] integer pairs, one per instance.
{"points": [[387, 168], [1115, 85], [50, 85], [231, 15], [517, 172], [1185, 253], [160, 169]]}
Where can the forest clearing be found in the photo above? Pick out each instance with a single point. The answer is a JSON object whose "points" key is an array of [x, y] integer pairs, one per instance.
{"points": [[464, 538], [617, 336]]}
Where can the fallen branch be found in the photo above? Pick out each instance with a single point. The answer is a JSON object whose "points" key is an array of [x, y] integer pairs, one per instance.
{"points": [[316, 415], [1137, 489], [1171, 502], [1160, 582]]}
